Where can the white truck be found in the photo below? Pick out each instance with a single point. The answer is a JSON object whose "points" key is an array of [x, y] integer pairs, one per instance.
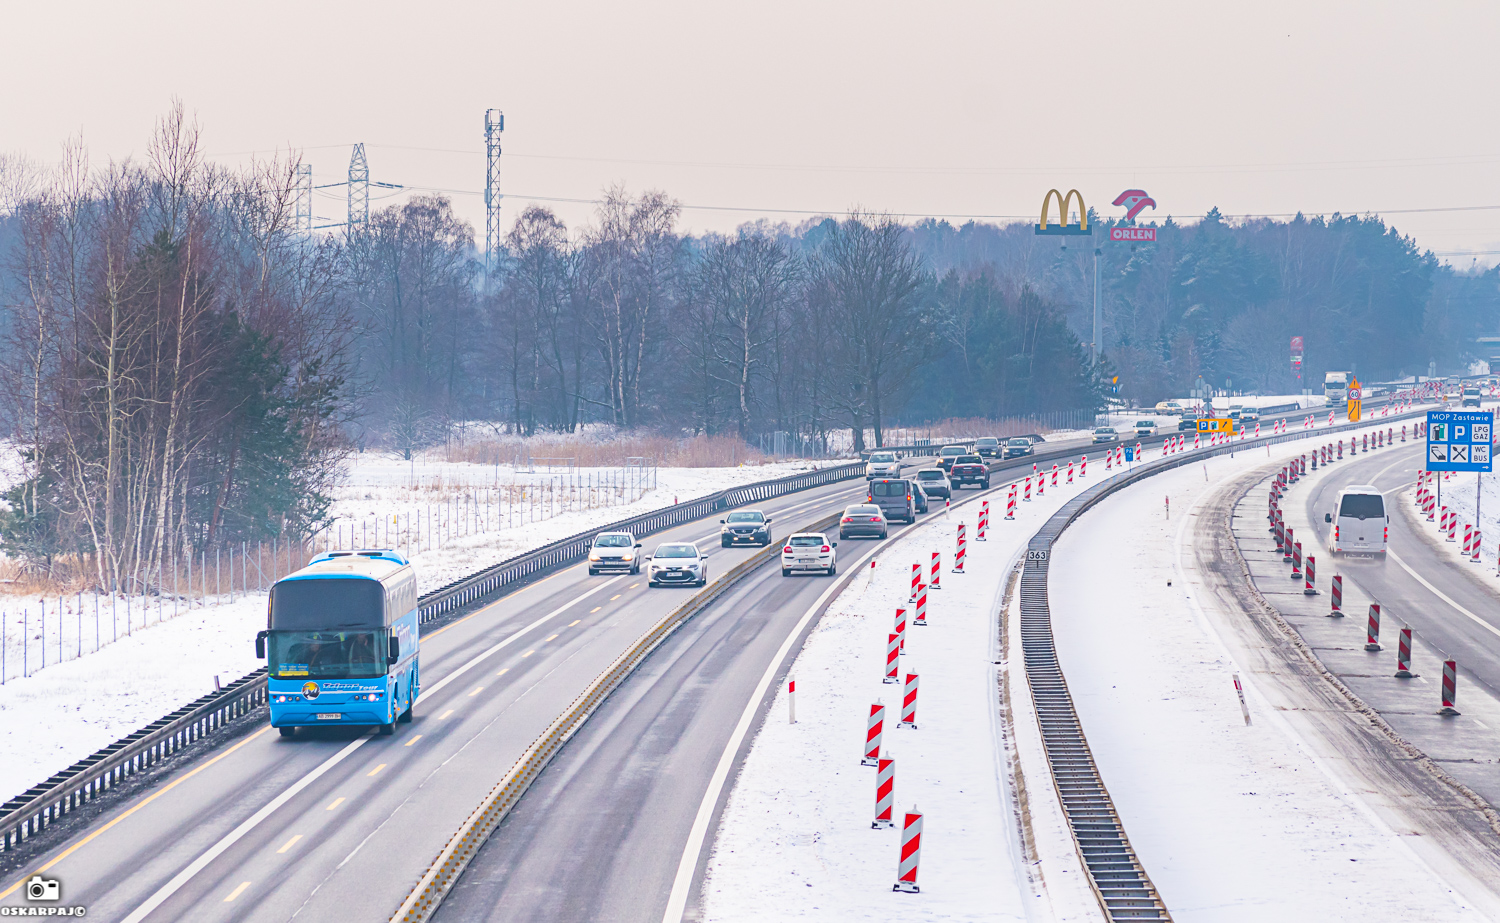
{"points": [[1336, 386]]}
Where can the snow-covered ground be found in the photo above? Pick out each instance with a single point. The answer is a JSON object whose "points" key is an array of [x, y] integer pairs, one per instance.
{"points": [[1232, 822], [796, 842], [78, 704]]}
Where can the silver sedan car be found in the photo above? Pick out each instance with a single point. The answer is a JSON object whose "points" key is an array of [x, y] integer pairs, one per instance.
{"points": [[677, 564], [863, 519]]}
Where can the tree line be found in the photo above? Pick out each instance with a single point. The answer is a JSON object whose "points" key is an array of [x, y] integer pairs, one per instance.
{"points": [[183, 368]]}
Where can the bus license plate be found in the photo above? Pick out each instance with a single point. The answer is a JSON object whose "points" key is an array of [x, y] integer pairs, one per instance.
{"points": [[324, 716]]}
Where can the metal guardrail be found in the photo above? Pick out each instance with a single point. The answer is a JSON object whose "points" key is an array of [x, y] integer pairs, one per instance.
{"points": [[27, 814], [1119, 881]]}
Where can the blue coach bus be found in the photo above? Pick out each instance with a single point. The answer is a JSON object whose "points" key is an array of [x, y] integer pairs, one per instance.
{"points": [[341, 642]]}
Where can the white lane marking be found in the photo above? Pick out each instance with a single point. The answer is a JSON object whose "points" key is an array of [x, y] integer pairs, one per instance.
{"points": [[511, 638], [1441, 595], [677, 902], [197, 865]]}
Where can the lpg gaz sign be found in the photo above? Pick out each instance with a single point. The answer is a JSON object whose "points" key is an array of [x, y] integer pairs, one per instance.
{"points": [[1459, 440]]}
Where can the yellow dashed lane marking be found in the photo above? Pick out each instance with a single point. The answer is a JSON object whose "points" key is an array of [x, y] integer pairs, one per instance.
{"points": [[336, 803], [475, 692], [614, 597], [375, 770], [574, 622], [503, 671], [529, 653], [631, 587], [553, 638], [595, 609], [237, 891], [414, 740], [445, 714], [289, 844]]}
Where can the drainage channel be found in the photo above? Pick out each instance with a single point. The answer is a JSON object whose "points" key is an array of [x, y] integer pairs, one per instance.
{"points": [[1118, 879]]}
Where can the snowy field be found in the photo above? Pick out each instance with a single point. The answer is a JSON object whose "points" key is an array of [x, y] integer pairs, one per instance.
{"points": [[71, 708], [1232, 822], [796, 842]]}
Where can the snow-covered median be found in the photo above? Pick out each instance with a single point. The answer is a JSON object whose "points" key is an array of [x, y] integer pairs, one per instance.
{"points": [[60, 714], [795, 841], [1232, 822]]}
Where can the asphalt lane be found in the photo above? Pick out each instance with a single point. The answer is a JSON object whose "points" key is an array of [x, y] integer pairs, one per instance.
{"points": [[337, 824], [1472, 636], [345, 839]]}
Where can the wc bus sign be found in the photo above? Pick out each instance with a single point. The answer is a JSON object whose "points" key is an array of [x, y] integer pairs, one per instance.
{"points": [[1460, 440]]}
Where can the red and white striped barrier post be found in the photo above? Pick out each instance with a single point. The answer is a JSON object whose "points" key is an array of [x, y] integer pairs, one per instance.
{"points": [[1468, 539], [1450, 688], [1330, 418], [1197, 441], [1070, 471], [1041, 485], [1474, 559], [791, 700], [1286, 552], [885, 792], [900, 629], [1337, 592], [1109, 461], [1452, 524], [947, 506], [892, 658], [1054, 474], [1338, 450], [936, 574], [1083, 467], [1028, 490], [874, 734], [958, 557], [916, 581], [1138, 455], [1403, 432], [1010, 503], [921, 618], [1310, 587], [911, 853], [984, 523], [1034, 470], [1372, 629], [1297, 561], [909, 703], [1403, 654], [1390, 435], [1257, 430], [1365, 442]]}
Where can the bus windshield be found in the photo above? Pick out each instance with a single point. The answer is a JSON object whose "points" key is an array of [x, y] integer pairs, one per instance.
{"points": [[326, 654]]}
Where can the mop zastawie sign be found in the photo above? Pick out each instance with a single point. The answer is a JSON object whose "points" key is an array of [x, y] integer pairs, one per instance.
{"points": [[1460, 440]]}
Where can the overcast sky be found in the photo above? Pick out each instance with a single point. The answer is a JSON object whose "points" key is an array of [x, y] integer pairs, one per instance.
{"points": [[945, 108]]}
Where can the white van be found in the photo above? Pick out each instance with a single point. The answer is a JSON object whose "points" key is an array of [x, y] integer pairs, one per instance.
{"points": [[1360, 522]]}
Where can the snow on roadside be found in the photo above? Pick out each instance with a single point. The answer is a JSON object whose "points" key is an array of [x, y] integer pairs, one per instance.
{"points": [[1232, 822], [795, 840], [61, 714]]}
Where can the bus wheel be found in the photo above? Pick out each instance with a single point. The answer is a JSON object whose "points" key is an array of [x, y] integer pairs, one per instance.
{"points": [[287, 732], [405, 717], [387, 730]]}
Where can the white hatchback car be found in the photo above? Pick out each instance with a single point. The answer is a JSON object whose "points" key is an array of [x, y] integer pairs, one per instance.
{"points": [[809, 551], [1145, 428]]}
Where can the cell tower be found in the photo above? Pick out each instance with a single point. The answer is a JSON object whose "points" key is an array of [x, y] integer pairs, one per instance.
{"points": [[494, 125], [359, 191], [304, 197]]}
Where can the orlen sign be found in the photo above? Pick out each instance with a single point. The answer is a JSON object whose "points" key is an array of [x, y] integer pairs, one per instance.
{"points": [[1133, 235]]}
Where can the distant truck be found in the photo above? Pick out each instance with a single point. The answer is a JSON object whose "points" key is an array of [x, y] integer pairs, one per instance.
{"points": [[1336, 386]]}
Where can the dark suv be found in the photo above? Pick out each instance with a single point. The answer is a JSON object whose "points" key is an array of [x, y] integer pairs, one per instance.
{"points": [[1018, 447], [969, 469], [987, 447], [895, 498], [749, 526]]}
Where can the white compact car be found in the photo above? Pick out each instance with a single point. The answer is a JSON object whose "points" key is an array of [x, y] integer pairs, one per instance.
{"points": [[1145, 428], [809, 552], [614, 551], [883, 465], [1360, 522], [677, 564]]}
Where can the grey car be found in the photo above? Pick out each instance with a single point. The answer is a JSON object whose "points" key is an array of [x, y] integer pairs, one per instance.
{"points": [[1018, 447], [863, 519], [895, 498], [745, 527], [934, 482]]}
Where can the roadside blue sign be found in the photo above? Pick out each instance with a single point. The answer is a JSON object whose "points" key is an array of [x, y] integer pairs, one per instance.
{"points": [[1460, 440], [1130, 453]]}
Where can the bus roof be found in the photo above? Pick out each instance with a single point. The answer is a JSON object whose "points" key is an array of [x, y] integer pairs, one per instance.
{"points": [[370, 564]]}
